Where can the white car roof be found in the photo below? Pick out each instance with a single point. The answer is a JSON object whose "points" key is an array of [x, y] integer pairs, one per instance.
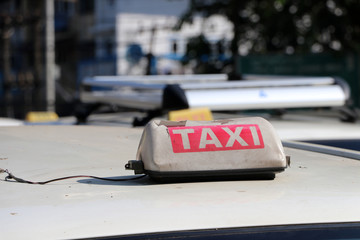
{"points": [[10, 122], [309, 127], [317, 188]]}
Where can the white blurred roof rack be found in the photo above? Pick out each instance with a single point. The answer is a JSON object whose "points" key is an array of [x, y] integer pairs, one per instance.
{"points": [[169, 92]]}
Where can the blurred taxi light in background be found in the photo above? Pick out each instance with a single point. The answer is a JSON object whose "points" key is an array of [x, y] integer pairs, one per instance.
{"points": [[35, 117], [195, 114]]}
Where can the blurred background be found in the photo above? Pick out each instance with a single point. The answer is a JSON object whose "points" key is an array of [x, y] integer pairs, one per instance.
{"points": [[47, 47]]}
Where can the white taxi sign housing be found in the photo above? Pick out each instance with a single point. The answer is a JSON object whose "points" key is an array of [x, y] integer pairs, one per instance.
{"points": [[219, 148]]}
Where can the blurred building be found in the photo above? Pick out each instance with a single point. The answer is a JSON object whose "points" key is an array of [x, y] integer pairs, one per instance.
{"points": [[21, 65], [92, 37], [130, 33], [22, 60]]}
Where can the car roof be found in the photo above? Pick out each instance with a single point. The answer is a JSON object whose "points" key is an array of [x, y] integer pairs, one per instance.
{"points": [[310, 126], [10, 122], [316, 188]]}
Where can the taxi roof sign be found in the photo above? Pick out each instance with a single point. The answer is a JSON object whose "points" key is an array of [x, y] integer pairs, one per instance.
{"points": [[195, 114], [221, 148], [35, 117]]}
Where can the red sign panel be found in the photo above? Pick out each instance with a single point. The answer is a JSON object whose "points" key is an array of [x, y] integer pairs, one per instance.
{"points": [[215, 138]]}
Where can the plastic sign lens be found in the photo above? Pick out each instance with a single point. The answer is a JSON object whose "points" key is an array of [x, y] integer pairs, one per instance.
{"points": [[215, 138]]}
